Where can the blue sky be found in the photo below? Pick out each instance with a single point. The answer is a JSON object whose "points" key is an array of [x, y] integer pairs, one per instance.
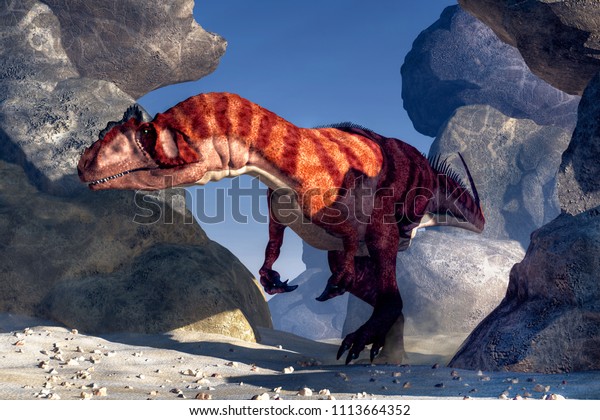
{"points": [[313, 62]]}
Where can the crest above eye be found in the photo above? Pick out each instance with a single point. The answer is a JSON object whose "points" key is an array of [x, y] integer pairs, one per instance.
{"points": [[132, 112]]}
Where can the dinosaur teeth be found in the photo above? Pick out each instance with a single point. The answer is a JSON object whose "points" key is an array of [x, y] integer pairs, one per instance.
{"points": [[109, 178]]}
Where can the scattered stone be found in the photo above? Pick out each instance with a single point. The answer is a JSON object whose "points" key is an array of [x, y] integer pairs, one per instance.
{"points": [[153, 393], [396, 374], [263, 396], [277, 389], [288, 369], [485, 379], [74, 331], [86, 395], [440, 385], [503, 397], [305, 392], [232, 364], [406, 385], [435, 366], [541, 388], [19, 343], [554, 397], [195, 373], [100, 392], [43, 364], [324, 392], [216, 375], [359, 396], [343, 376], [203, 396], [203, 381], [141, 376]]}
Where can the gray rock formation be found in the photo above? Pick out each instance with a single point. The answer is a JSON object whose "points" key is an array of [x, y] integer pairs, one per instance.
{"points": [[55, 96], [102, 262], [113, 261], [514, 164], [299, 312], [579, 175], [460, 61], [549, 320], [449, 281], [139, 46], [558, 39]]}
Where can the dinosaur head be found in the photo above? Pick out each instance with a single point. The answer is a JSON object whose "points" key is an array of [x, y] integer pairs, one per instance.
{"points": [[134, 154]]}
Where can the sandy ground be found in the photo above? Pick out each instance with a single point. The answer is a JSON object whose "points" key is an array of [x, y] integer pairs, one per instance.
{"points": [[41, 360]]}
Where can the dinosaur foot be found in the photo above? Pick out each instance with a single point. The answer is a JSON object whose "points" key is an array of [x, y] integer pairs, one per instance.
{"points": [[381, 328], [356, 342], [272, 283]]}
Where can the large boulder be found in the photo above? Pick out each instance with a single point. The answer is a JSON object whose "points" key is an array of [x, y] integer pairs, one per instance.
{"points": [[513, 163], [116, 261], [459, 61], [138, 45], [65, 73], [449, 281], [558, 39], [579, 175], [549, 320], [113, 260]]}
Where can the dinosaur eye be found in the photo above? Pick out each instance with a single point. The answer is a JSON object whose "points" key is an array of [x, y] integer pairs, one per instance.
{"points": [[147, 138]]}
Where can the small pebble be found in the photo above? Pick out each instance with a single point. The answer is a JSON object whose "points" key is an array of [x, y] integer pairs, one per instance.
{"points": [[232, 364], [203, 396], [440, 385], [100, 392], [541, 388], [305, 392], [406, 385], [263, 396], [435, 366], [277, 390], [554, 397], [396, 374], [288, 369], [85, 396], [324, 392], [74, 331]]}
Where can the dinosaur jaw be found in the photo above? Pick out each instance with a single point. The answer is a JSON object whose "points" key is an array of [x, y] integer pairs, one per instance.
{"points": [[112, 181]]}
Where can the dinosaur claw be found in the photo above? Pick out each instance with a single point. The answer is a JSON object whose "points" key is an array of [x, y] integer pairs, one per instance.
{"points": [[330, 292], [374, 353], [342, 350]]}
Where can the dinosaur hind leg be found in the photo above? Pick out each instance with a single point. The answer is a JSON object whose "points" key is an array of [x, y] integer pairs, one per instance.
{"points": [[375, 283]]}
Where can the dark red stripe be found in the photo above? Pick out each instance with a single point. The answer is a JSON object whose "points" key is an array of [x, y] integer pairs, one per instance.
{"points": [[291, 143], [220, 108], [267, 122], [244, 119]]}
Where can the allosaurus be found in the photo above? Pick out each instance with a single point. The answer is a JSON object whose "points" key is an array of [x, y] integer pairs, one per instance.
{"points": [[344, 189]]}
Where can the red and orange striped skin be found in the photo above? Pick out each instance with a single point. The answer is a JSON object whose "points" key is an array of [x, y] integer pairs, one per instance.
{"points": [[358, 195]]}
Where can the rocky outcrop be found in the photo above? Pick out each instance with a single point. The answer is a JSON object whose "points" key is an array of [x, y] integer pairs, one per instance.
{"points": [[459, 61], [449, 281], [139, 46], [513, 162], [558, 39], [114, 261], [549, 320], [579, 175], [68, 68]]}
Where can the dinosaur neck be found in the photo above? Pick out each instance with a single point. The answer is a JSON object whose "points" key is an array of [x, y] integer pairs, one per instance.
{"points": [[453, 205], [234, 136]]}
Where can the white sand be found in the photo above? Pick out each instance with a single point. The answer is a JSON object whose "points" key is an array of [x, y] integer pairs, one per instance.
{"points": [[42, 360]]}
